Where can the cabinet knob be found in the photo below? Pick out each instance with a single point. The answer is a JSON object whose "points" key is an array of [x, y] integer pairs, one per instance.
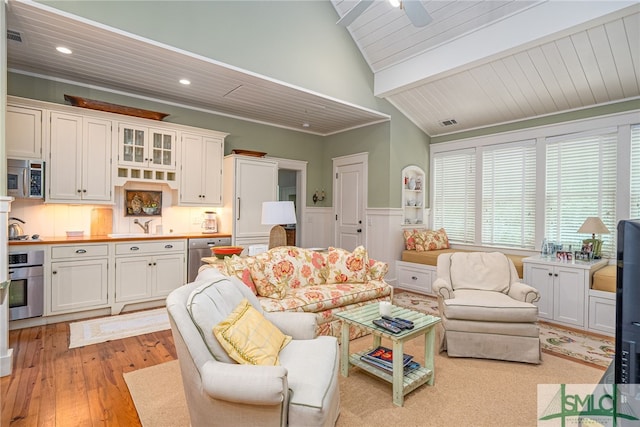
{"points": [[150, 264], [79, 191], [134, 248], [154, 263], [550, 274], [84, 191], [54, 272], [414, 278], [168, 246], [81, 251], [556, 275]]}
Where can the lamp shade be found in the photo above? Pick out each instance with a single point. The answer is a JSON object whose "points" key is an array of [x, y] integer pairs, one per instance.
{"points": [[593, 225], [278, 213]]}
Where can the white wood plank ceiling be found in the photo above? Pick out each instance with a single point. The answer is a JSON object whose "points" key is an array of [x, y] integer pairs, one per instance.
{"points": [[489, 62], [479, 62], [116, 61]]}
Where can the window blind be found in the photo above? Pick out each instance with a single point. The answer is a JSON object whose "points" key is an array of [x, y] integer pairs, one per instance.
{"points": [[580, 182], [454, 177], [509, 195], [634, 198]]}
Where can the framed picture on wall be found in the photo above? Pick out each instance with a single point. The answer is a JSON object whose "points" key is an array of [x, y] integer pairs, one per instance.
{"points": [[142, 203]]}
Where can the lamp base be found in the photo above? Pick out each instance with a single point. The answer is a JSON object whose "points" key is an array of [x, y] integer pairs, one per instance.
{"points": [[277, 237]]}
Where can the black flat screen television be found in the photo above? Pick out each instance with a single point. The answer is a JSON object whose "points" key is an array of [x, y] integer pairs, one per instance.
{"points": [[627, 358]]}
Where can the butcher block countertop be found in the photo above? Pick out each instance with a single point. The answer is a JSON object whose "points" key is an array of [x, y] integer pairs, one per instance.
{"points": [[44, 240]]}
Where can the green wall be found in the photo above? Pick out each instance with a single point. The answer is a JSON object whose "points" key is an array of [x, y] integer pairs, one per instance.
{"points": [[296, 42]]}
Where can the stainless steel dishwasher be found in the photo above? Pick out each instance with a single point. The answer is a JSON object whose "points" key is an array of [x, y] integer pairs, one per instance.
{"points": [[200, 248]]}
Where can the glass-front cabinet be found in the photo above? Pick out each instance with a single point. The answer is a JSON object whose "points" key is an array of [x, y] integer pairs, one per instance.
{"points": [[144, 147], [413, 182]]}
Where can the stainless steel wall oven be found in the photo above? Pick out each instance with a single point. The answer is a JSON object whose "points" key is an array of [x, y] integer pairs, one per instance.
{"points": [[26, 291]]}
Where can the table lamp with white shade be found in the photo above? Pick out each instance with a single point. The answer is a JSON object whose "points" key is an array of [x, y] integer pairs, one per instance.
{"points": [[594, 225], [276, 214]]}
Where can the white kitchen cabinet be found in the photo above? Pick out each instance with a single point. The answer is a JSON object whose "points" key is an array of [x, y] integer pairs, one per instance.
{"points": [[563, 286], [413, 182], [146, 271], [23, 132], [146, 154], [146, 147], [201, 170], [248, 181], [79, 278], [79, 168], [415, 277]]}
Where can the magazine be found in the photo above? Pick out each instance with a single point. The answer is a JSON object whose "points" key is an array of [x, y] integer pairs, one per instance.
{"points": [[410, 367], [384, 357]]}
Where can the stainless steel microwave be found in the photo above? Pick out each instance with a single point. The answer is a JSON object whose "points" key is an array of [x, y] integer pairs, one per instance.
{"points": [[25, 179]]}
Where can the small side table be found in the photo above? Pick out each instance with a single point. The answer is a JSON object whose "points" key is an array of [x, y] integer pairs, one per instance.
{"points": [[424, 324]]}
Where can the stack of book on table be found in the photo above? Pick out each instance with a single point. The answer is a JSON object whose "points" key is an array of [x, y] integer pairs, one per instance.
{"points": [[382, 358]]}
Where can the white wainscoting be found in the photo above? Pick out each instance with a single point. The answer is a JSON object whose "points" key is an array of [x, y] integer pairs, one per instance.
{"points": [[318, 227]]}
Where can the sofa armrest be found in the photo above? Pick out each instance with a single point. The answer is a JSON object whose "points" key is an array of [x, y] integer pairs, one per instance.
{"points": [[301, 326], [523, 292], [250, 384], [442, 289]]}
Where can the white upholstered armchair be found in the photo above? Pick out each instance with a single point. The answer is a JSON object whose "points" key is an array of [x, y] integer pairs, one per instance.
{"points": [[486, 311], [301, 391]]}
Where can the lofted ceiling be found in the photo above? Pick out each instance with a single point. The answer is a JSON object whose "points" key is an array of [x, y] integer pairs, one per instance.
{"points": [[117, 61], [477, 64], [481, 63]]}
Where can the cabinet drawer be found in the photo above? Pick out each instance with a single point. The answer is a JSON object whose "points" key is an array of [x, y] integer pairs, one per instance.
{"points": [[75, 251], [415, 278], [130, 248]]}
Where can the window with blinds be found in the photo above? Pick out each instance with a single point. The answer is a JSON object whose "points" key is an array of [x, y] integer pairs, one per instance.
{"points": [[634, 198], [509, 195], [454, 186], [581, 182]]}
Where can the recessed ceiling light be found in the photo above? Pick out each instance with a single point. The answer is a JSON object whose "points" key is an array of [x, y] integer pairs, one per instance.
{"points": [[185, 82], [305, 125], [64, 50]]}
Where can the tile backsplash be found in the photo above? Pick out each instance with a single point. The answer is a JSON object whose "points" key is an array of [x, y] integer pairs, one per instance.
{"points": [[52, 219]]}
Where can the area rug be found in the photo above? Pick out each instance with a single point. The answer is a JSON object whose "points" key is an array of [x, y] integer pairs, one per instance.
{"points": [[467, 392], [555, 340], [110, 328]]}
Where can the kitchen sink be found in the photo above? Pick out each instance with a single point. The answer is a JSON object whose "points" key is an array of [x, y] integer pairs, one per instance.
{"points": [[131, 235]]}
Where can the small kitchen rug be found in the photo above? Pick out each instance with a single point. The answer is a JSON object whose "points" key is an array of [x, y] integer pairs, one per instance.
{"points": [[110, 328], [589, 349]]}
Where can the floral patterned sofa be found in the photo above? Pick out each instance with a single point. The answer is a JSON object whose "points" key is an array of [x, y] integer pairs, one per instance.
{"points": [[289, 278]]}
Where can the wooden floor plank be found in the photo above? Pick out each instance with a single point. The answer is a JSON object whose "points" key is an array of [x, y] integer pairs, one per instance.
{"points": [[52, 385]]}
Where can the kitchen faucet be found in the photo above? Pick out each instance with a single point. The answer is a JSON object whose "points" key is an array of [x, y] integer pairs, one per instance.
{"points": [[145, 227]]}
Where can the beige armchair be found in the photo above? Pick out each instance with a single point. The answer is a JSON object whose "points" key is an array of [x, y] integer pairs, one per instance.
{"points": [[301, 391], [486, 311]]}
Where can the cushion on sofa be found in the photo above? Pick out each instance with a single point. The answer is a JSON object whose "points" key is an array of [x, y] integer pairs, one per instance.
{"points": [[240, 267], [318, 298], [346, 267], [249, 338], [470, 304], [488, 271], [281, 268], [377, 270], [205, 313], [605, 279]]}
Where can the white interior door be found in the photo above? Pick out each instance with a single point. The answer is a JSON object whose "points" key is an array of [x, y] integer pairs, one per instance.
{"points": [[350, 201]]}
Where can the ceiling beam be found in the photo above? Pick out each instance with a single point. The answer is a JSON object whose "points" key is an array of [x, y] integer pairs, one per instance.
{"points": [[521, 30]]}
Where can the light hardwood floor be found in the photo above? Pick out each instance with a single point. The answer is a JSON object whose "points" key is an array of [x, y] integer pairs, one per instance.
{"points": [[52, 385]]}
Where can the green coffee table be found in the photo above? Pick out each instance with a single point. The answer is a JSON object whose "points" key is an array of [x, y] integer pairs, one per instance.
{"points": [[402, 384]]}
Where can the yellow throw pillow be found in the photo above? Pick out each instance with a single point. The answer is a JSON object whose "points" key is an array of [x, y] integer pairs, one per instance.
{"points": [[249, 338]]}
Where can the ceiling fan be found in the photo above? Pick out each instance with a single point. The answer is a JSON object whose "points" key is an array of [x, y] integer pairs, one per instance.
{"points": [[414, 9]]}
